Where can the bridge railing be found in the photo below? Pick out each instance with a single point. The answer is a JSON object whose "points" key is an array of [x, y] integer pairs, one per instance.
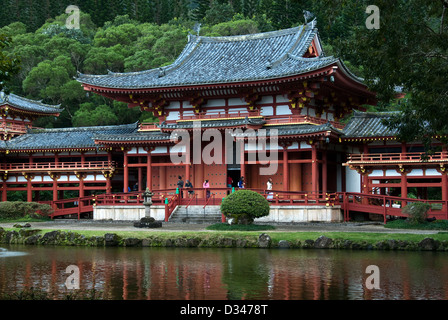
{"points": [[386, 205], [74, 206]]}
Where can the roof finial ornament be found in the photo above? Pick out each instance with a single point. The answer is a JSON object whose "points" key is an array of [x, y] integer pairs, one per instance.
{"points": [[197, 28], [308, 15]]}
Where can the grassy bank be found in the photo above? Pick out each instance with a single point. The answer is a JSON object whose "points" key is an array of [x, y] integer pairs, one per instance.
{"points": [[221, 239]]}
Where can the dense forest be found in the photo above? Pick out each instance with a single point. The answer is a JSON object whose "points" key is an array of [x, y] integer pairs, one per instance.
{"points": [[408, 50]]}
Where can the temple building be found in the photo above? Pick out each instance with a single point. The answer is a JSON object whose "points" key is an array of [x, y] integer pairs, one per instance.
{"points": [[275, 92]]}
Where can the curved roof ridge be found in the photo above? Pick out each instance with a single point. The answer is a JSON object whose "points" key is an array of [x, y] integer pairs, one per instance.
{"points": [[89, 128], [250, 36], [7, 97]]}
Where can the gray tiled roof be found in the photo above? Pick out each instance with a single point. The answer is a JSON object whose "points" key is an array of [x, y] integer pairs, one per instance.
{"points": [[214, 60], [297, 129], [135, 136], [213, 124], [80, 137], [282, 130], [28, 105], [368, 124]]}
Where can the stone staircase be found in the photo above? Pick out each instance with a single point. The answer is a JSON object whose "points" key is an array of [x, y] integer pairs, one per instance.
{"points": [[196, 214]]}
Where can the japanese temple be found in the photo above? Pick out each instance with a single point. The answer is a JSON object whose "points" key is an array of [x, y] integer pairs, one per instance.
{"points": [[280, 82]]}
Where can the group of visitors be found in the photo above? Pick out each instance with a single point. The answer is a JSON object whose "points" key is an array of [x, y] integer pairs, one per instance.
{"points": [[206, 186]]}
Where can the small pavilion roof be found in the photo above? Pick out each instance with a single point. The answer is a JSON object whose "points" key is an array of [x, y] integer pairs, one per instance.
{"points": [[28, 105], [368, 124], [66, 138]]}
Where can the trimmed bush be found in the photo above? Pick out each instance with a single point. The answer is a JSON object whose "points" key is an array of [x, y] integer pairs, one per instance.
{"points": [[243, 206], [19, 209], [417, 212]]}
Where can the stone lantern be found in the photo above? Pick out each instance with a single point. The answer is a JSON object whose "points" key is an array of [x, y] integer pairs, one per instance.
{"points": [[147, 202], [147, 221]]}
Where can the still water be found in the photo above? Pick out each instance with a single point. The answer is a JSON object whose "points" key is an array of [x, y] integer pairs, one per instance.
{"points": [[227, 274]]}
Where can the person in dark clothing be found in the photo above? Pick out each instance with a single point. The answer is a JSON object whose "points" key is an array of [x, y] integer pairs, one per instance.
{"points": [[189, 185], [180, 185], [241, 183]]}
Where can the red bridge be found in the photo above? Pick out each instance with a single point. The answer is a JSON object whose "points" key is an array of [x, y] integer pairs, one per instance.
{"points": [[349, 202]]}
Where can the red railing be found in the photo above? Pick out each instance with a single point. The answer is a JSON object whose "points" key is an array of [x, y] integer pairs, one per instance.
{"points": [[211, 198], [88, 165], [385, 205], [75, 206], [173, 202], [20, 128], [348, 201], [148, 127], [397, 157], [191, 200]]}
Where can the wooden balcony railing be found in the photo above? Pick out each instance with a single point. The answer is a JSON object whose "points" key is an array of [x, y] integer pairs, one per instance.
{"points": [[287, 119], [410, 157], [14, 128], [221, 115], [148, 127], [60, 166]]}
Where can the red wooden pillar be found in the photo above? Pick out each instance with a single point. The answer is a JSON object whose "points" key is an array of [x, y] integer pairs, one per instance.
{"points": [[108, 183], [243, 161], [29, 190], [314, 170], [4, 192], [125, 172], [108, 176], [55, 189], [149, 170], [324, 171], [139, 175], [81, 185], [404, 185], [444, 193], [187, 164], [285, 169]]}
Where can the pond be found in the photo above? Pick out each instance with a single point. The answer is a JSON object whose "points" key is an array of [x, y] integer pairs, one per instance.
{"points": [[226, 274]]}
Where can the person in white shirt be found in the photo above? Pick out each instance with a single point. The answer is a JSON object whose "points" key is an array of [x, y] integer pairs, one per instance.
{"points": [[269, 185]]}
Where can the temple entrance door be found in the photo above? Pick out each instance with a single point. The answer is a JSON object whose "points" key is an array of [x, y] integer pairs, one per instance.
{"points": [[234, 172]]}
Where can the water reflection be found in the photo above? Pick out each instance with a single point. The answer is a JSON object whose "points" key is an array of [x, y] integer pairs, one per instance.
{"points": [[197, 274], [5, 253]]}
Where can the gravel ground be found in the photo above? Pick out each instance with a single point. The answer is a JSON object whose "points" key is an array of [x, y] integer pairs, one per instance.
{"points": [[168, 226]]}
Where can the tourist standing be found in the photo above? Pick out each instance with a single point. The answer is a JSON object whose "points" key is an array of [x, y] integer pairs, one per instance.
{"points": [[189, 185], [229, 182], [269, 185], [180, 185], [206, 186], [241, 183]]}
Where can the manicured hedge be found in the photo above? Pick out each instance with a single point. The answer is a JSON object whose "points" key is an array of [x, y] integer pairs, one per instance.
{"points": [[243, 206], [20, 209]]}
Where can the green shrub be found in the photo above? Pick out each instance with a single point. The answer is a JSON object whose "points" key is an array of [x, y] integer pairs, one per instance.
{"points": [[243, 206], [20, 209], [417, 212]]}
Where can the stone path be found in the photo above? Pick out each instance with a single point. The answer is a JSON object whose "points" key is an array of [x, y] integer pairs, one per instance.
{"points": [[294, 227]]}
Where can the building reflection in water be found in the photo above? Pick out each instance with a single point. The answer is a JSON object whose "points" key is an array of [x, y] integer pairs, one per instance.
{"points": [[222, 274]]}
